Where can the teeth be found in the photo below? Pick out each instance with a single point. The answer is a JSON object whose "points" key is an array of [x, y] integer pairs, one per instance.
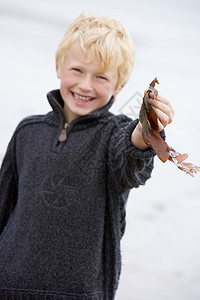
{"points": [[81, 98]]}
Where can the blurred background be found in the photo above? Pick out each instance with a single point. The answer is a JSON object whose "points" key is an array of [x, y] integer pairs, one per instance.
{"points": [[161, 246]]}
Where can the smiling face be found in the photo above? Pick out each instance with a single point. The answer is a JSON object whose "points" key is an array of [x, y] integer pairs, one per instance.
{"points": [[83, 87]]}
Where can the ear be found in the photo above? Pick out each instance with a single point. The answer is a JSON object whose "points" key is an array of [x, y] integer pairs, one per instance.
{"points": [[119, 89], [58, 71]]}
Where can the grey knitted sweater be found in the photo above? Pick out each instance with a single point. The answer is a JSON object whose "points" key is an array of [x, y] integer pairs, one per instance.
{"points": [[62, 204]]}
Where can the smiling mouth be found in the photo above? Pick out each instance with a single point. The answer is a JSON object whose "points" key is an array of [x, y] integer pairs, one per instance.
{"points": [[82, 99]]}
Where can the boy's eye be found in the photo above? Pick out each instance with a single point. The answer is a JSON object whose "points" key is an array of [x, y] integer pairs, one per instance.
{"points": [[101, 77], [76, 69]]}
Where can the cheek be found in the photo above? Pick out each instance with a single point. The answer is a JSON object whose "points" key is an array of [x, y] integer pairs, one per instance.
{"points": [[105, 95], [107, 92], [104, 90], [67, 83]]}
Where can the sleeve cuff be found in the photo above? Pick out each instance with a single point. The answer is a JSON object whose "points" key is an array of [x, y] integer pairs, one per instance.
{"points": [[134, 151]]}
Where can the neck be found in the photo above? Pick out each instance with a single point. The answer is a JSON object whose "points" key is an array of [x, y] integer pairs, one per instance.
{"points": [[69, 116]]}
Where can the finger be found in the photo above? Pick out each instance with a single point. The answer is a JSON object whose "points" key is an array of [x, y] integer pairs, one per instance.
{"points": [[166, 109], [164, 101], [162, 117], [160, 126]]}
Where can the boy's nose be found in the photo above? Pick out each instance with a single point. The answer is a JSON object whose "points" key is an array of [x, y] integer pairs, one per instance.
{"points": [[86, 84]]}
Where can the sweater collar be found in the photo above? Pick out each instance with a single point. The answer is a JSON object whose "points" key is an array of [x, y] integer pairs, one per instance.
{"points": [[55, 100]]}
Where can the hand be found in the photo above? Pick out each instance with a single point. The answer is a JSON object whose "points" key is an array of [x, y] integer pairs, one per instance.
{"points": [[163, 109], [165, 114]]}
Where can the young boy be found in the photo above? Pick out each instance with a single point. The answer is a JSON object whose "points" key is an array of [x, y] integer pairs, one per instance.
{"points": [[66, 176]]}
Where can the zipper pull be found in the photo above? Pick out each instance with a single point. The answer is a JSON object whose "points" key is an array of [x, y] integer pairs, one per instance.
{"points": [[63, 134]]}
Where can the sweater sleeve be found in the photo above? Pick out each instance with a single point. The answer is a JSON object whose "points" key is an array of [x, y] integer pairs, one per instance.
{"points": [[8, 186], [129, 166]]}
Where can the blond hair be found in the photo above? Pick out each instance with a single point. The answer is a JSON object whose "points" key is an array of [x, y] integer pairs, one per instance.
{"points": [[107, 38]]}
